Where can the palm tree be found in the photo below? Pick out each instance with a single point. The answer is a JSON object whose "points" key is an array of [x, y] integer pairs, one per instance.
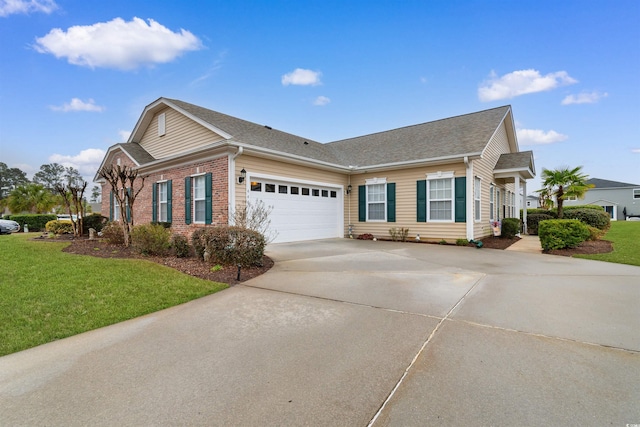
{"points": [[33, 198], [563, 183]]}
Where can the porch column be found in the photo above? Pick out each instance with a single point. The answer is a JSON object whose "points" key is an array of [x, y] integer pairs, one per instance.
{"points": [[518, 200], [524, 208]]}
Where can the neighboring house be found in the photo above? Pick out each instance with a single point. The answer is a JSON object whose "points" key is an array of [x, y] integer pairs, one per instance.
{"points": [[617, 198], [445, 179], [532, 202]]}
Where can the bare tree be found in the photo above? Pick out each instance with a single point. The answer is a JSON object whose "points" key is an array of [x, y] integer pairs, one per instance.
{"points": [[255, 216], [122, 180]]}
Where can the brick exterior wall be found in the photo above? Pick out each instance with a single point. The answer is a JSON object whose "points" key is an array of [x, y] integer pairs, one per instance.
{"points": [[143, 209]]}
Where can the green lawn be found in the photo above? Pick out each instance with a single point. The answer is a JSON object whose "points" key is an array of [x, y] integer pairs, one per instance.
{"points": [[46, 294], [625, 236]]}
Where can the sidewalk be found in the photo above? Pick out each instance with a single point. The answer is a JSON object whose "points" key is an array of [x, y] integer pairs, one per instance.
{"points": [[527, 243]]}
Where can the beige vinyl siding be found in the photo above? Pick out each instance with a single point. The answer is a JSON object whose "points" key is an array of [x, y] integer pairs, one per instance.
{"points": [[483, 168], [406, 205], [182, 134], [259, 166]]}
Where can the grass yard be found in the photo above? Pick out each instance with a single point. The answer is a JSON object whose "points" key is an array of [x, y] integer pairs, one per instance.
{"points": [[625, 236], [46, 294]]}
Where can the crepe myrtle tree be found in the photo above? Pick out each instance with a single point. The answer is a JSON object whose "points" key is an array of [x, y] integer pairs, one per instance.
{"points": [[121, 179], [72, 195]]}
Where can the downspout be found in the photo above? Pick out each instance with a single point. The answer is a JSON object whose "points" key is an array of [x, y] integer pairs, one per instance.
{"points": [[469, 207], [232, 184]]}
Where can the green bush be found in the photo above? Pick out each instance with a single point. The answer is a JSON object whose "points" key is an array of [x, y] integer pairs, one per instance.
{"points": [[59, 227], [462, 242], [534, 219], [197, 243], [151, 239], [233, 246], [95, 221], [163, 224], [181, 245], [593, 217], [35, 222], [594, 207], [113, 233], [595, 233], [540, 211], [510, 227], [562, 233]]}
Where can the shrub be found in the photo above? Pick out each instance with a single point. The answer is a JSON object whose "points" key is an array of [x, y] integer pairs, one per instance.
{"points": [[151, 239], [595, 233], [510, 227], [181, 245], [35, 222], [539, 211], [562, 233], [365, 236], [163, 224], [399, 234], [113, 233], [234, 246], [95, 221], [534, 219], [197, 243], [59, 227], [593, 217], [594, 207], [462, 242]]}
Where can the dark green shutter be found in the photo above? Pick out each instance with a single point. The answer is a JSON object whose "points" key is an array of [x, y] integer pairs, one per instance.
{"points": [[391, 202], [362, 203], [207, 198], [461, 199], [169, 201], [187, 200], [111, 206], [154, 202], [127, 203], [421, 198]]}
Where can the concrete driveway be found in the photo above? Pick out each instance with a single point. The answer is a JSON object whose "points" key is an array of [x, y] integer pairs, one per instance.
{"points": [[344, 332]]}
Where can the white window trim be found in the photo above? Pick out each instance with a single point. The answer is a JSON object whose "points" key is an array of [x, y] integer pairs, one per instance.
{"points": [[441, 176], [636, 193], [376, 181], [193, 191], [116, 209], [477, 197], [161, 202]]}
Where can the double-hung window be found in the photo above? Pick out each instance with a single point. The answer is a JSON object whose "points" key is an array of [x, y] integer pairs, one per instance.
{"points": [[162, 202], [116, 209], [440, 192], [376, 200], [492, 195], [636, 193], [199, 199], [476, 197]]}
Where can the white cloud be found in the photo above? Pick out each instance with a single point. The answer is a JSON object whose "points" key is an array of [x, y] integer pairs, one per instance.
{"points": [[539, 137], [118, 44], [635, 150], [86, 162], [77, 104], [302, 77], [521, 82], [124, 135], [10, 7], [321, 101], [584, 98]]}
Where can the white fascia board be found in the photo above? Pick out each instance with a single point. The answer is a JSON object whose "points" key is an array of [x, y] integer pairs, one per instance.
{"points": [[524, 173], [415, 163]]}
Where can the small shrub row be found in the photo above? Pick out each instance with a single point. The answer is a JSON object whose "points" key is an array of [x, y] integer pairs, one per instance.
{"points": [[593, 217], [562, 233], [534, 219], [233, 246], [365, 236]]}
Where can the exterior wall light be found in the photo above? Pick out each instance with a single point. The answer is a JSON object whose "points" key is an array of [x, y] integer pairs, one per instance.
{"points": [[243, 175], [349, 188]]}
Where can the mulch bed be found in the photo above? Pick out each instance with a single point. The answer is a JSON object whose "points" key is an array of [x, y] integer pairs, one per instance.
{"points": [[228, 274], [191, 266]]}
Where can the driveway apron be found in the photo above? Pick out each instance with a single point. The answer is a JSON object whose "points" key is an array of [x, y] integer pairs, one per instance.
{"points": [[344, 332]]}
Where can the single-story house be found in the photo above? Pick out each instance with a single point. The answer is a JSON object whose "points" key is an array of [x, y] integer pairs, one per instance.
{"points": [[532, 202], [619, 199], [445, 179]]}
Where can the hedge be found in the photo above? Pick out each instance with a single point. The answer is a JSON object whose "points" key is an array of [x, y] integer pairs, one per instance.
{"points": [[595, 218], [562, 233], [35, 222], [594, 207], [59, 227], [534, 219], [95, 221]]}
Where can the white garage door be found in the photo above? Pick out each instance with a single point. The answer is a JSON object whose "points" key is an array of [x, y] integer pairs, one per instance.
{"points": [[300, 211]]}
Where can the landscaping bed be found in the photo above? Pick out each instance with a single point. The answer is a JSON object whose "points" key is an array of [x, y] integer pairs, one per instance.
{"points": [[191, 266]]}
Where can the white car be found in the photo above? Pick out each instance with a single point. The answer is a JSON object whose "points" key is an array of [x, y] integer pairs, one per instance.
{"points": [[12, 226]]}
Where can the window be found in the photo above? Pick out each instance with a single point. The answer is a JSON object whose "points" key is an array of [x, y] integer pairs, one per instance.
{"points": [[440, 205], [315, 192], [256, 186], [498, 204], [116, 209], [162, 202], [636, 193], [572, 198], [476, 197], [305, 191], [334, 194], [270, 188], [492, 195], [295, 190], [325, 193], [376, 202], [282, 189], [199, 198]]}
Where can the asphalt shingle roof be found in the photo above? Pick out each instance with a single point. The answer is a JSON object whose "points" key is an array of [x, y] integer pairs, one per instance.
{"points": [[519, 160], [604, 183], [138, 153], [455, 136]]}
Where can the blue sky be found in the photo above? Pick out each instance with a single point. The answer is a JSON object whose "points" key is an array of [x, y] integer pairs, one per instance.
{"points": [[76, 75]]}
